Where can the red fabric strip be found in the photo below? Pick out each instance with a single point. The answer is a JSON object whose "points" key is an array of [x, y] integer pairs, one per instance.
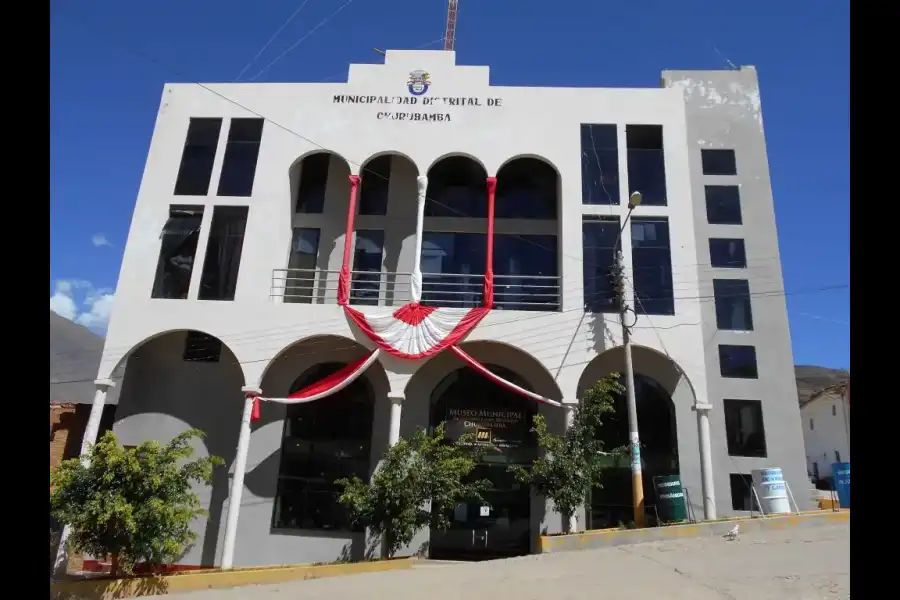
{"points": [[330, 381]]}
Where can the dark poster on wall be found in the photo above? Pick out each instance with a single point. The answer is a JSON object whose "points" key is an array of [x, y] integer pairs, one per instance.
{"points": [[500, 428]]}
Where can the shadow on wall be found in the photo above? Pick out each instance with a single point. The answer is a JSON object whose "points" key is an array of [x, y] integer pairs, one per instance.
{"points": [[171, 387]]}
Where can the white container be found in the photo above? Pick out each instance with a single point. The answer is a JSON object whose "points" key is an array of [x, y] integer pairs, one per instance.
{"points": [[771, 490]]}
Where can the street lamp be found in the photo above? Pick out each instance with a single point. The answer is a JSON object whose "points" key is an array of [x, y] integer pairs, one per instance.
{"points": [[634, 440]]}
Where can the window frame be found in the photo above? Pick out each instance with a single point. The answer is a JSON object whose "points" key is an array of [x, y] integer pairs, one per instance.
{"points": [[724, 361], [732, 408], [714, 155]]}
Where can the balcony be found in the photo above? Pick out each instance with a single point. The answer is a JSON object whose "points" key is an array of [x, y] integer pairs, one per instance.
{"points": [[448, 290]]}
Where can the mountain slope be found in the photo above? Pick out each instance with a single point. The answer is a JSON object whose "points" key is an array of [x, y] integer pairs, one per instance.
{"points": [[811, 379]]}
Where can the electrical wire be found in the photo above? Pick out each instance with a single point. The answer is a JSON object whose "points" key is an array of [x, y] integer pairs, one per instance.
{"points": [[271, 39]]}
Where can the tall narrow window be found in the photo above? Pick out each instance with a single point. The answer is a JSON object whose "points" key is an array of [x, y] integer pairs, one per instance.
{"points": [[301, 272], [651, 260], [525, 268], [600, 241], [599, 164], [241, 155], [732, 298], [223, 253], [197, 157], [365, 282], [373, 192], [718, 162], [744, 428], [177, 251], [726, 253], [740, 491], [313, 183], [723, 205], [646, 163]]}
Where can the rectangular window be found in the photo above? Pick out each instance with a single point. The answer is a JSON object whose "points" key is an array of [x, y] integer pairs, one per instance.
{"points": [[177, 250], [738, 361], [812, 425], [740, 491], [651, 261], [373, 192], [718, 162], [200, 347], [723, 205], [744, 428], [833, 410], [525, 272], [301, 273], [313, 183], [727, 253], [599, 164], [453, 269], [600, 241], [241, 155], [837, 456], [365, 281], [646, 163], [223, 253], [732, 298], [197, 157]]}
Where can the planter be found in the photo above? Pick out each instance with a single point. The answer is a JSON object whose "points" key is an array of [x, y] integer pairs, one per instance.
{"points": [[107, 588]]}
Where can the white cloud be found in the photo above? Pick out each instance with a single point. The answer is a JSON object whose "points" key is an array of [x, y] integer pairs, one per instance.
{"points": [[98, 239], [93, 308]]}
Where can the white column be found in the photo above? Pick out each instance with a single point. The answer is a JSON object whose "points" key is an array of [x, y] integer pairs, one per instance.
{"points": [[89, 438], [706, 467], [396, 412], [570, 420], [237, 478], [416, 279]]}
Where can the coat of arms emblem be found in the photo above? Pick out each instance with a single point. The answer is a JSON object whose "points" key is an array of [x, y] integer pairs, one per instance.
{"points": [[418, 82]]}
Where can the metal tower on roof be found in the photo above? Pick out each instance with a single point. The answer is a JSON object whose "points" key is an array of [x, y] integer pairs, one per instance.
{"points": [[450, 32]]}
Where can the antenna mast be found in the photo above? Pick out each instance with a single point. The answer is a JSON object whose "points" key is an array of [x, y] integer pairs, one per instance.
{"points": [[450, 32]]}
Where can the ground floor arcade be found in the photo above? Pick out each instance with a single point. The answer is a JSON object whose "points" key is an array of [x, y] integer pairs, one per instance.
{"points": [[288, 510]]}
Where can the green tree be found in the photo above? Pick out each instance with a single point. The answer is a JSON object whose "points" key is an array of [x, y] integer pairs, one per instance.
{"points": [[133, 504], [414, 471], [571, 464]]}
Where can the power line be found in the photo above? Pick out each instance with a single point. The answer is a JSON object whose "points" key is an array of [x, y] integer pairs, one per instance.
{"points": [[271, 39]]}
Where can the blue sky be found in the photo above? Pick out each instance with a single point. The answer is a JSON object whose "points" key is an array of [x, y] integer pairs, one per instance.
{"points": [[109, 61]]}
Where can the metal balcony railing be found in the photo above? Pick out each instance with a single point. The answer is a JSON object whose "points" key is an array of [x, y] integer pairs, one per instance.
{"points": [[455, 290]]}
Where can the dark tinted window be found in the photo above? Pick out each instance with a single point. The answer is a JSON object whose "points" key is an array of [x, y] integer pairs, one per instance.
{"points": [[733, 304], [376, 179], [453, 269], [723, 205], [457, 187], [646, 163], [740, 492], [200, 347], [313, 182], [600, 241], [599, 164], [241, 155], [178, 248], [744, 428], [738, 361], [223, 253], [727, 253], [526, 189], [525, 269], [651, 260], [718, 162], [365, 281], [300, 277], [197, 157]]}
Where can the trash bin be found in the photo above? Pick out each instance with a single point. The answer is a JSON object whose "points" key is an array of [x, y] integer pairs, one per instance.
{"points": [[840, 475], [670, 503]]}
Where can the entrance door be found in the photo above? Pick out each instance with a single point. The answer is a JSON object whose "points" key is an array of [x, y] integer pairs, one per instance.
{"points": [[499, 527]]}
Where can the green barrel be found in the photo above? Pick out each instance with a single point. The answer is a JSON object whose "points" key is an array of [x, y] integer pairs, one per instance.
{"points": [[670, 503]]}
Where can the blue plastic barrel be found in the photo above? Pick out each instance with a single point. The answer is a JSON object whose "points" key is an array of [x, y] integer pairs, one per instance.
{"points": [[840, 474]]}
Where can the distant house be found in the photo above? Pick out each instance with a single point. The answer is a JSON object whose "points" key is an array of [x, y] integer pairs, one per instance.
{"points": [[74, 361], [826, 429]]}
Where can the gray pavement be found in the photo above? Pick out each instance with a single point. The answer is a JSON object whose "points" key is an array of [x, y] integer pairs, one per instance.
{"points": [[796, 564]]}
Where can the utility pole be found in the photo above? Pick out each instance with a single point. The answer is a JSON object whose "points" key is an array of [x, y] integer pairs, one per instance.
{"points": [[634, 440]]}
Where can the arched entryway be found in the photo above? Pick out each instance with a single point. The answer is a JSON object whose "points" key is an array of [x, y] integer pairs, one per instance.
{"points": [[656, 381]]}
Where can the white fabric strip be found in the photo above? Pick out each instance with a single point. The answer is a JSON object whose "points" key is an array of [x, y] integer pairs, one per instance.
{"points": [[324, 394], [416, 279]]}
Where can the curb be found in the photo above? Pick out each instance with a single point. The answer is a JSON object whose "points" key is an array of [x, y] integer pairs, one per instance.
{"points": [[609, 538], [190, 581]]}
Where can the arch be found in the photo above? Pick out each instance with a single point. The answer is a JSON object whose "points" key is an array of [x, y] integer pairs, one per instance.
{"points": [[308, 153], [528, 187], [647, 361], [457, 187], [444, 157], [382, 172], [529, 155], [303, 354], [312, 174], [382, 153]]}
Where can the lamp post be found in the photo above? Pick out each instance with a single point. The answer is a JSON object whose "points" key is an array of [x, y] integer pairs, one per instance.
{"points": [[634, 440]]}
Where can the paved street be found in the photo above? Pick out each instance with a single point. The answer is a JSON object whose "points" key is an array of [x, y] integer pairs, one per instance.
{"points": [[798, 564]]}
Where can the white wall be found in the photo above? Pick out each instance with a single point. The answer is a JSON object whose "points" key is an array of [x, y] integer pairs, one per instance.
{"points": [[830, 431]]}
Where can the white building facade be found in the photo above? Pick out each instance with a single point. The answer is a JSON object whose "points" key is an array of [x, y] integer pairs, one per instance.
{"points": [[500, 207], [826, 430]]}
